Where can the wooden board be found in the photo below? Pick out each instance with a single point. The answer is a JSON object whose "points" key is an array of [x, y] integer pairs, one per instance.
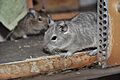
{"points": [[114, 22], [60, 5], [42, 65], [55, 6], [64, 16], [83, 74], [29, 4]]}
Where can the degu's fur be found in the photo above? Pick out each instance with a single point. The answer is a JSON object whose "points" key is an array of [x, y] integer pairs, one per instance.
{"points": [[33, 23], [68, 37]]}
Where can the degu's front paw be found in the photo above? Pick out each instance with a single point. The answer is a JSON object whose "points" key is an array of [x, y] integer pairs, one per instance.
{"points": [[65, 55], [25, 36], [93, 52]]}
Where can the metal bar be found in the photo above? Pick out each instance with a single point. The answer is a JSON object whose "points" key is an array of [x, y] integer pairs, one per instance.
{"points": [[102, 22]]}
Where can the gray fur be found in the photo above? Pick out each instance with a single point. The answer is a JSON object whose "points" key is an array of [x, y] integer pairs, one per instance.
{"points": [[33, 23], [79, 33]]}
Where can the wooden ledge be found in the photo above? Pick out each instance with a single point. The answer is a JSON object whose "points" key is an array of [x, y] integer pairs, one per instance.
{"points": [[43, 65]]}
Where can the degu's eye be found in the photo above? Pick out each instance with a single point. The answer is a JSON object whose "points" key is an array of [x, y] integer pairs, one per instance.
{"points": [[39, 18]]}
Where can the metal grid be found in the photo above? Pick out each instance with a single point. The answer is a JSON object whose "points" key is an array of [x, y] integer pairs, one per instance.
{"points": [[102, 16]]}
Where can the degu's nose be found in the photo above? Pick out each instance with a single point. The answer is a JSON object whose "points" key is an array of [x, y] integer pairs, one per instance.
{"points": [[54, 38]]}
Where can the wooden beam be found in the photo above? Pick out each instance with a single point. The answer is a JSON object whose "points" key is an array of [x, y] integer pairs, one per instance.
{"points": [[43, 65], [64, 16], [82, 74]]}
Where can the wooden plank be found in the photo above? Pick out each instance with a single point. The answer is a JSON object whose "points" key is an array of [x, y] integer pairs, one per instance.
{"points": [[56, 5], [64, 16], [61, 5], [29, 4], [83, 74], [114, 22], [43, 65]]}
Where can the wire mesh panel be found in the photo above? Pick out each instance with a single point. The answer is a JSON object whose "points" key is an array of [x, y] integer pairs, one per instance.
{"points": [[102, 10]]}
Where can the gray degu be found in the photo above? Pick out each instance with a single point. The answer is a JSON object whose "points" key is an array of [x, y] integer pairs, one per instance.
{"points": [[33, 23], [67, 37]]}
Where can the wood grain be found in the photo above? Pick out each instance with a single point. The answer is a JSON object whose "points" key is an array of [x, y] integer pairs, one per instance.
{"points": [[43, 65], [114, 24]]}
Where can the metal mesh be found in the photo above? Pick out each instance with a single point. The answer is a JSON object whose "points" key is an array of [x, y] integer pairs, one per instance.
{"points": [[102, 10]]}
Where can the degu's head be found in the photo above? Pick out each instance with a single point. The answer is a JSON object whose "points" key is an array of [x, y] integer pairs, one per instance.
{"points": [[57, 36]]}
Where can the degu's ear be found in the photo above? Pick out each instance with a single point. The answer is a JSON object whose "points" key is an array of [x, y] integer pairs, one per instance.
{"points": [[63, 27], [33, 13], [50, 21]]}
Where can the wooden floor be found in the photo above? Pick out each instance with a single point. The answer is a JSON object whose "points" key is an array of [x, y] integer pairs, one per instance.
{"points": [[21, 49]]}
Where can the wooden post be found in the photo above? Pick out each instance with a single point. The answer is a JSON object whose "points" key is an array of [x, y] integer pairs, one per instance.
{"points": [[114, 24]]}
